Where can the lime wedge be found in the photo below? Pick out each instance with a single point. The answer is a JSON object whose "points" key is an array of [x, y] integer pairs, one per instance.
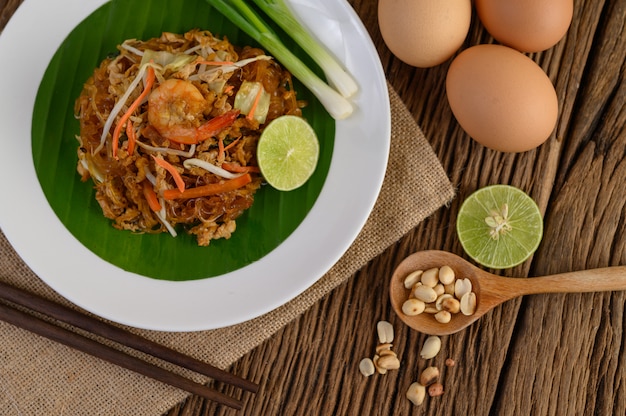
{"points": [[287, 152], [499, 226]]}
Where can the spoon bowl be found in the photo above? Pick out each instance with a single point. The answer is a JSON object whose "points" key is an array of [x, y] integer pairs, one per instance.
{"points": [[491, 290]]}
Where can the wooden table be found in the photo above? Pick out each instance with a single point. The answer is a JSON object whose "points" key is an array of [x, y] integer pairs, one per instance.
{"points": [[539, 355]]}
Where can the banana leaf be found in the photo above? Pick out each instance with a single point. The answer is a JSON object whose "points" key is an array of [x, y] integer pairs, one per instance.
{"points": [[273, 216]]}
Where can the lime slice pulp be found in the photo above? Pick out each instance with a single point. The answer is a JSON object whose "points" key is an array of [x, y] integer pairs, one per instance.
{"points": [[499, 226], [287, 152]]}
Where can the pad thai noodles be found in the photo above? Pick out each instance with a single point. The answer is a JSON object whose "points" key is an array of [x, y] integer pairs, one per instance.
{"points": [[169, 129]]}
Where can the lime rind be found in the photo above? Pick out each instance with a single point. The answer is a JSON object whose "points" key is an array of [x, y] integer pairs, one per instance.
{"points": [[288, 152], [511, 247]]}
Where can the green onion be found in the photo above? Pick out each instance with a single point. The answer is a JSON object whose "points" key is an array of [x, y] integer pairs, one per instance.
{"points": [[337, 76], [240, 14]]}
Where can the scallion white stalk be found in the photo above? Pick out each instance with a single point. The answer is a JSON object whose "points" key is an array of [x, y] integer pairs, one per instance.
{"points": [[336, 104]]}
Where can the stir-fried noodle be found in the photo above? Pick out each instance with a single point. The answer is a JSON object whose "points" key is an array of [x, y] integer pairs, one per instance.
{"points": [[169, 130]]}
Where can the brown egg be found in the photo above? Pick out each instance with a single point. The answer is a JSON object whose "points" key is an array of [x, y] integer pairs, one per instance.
{"points": [[501, 98], [526, 25], [424, 33]]}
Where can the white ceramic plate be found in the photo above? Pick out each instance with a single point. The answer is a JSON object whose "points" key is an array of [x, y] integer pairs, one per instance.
{"points": [[356, 173]]}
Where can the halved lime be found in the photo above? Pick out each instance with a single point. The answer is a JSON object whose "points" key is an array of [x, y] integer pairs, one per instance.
{"points": [[499, 226], [287, 152]]}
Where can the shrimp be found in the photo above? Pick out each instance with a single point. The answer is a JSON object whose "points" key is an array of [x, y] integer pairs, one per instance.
{"points": [[175, 108]]}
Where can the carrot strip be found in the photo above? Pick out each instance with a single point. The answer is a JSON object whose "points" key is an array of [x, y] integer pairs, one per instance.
{"points": [[180, 183], [132, 137], [210, 189], [255, 104], [233, 167], [118, 129], [151, 196], [220, 149], [231, 144], [216, 124]]}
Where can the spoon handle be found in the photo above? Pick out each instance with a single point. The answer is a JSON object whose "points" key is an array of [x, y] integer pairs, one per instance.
{"points": [[593, 280]]}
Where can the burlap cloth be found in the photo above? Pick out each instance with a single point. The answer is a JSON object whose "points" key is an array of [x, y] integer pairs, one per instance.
{"points": [[41, 377]]}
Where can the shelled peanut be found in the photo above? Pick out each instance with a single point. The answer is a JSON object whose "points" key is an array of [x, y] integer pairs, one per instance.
{"points": [[439, 292], [385, 358], [429, 381]]}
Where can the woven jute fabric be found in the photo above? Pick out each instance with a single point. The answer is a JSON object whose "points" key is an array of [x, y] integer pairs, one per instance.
{"points": [[41, 377]]}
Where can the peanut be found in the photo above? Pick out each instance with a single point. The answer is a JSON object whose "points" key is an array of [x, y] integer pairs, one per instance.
{"points": [[443, 317], [412, 279], [461, 287], [385, 332], [431, 347], [446, 275], [387, 352], [468, 303], [388, 362], [451, 305], [449, 288], [379, 369], [413, 307], [366, 367], [429, 376], [435, 389], [430, 277], [416, 393], [439, 289], [425, 293], [431, 308], [383, 347], [440, 299]]}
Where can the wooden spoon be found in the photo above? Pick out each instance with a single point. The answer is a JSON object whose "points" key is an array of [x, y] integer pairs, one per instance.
{"points": [[492, 290]]}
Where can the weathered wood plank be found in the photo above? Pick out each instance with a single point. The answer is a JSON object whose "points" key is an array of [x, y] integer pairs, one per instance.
{"points": [[582, 335]]}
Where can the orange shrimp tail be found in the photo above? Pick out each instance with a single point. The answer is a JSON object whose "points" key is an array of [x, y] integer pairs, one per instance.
{"points": [[216, 124], [183, 135]]}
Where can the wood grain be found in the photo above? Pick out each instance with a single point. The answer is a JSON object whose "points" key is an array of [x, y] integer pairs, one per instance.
{"points": [[542, 354]]}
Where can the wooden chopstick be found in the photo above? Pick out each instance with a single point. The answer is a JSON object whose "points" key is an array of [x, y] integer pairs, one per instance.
{"points": [[113, 333]]}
